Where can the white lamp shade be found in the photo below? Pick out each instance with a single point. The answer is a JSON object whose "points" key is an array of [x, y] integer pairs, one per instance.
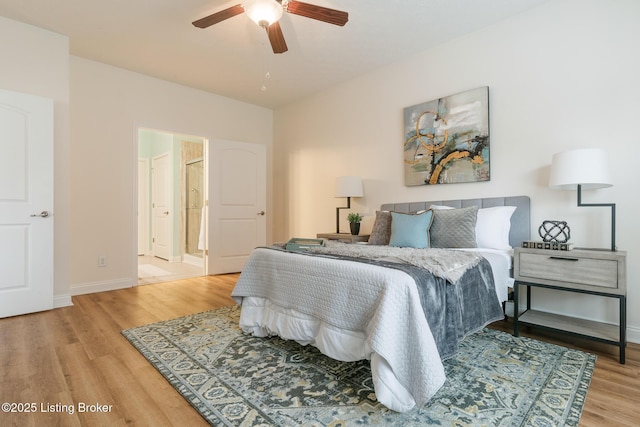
{"points": [[349, 186], [588, 167], [263, 12]]}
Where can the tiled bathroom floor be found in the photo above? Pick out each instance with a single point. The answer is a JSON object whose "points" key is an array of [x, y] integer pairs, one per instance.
{"points": [[156, 270]]}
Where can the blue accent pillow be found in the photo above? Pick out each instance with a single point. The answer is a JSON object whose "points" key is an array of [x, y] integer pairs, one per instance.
{"points": [[410, 230]]}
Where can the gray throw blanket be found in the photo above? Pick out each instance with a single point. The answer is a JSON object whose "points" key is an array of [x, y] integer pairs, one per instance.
{"points": [[445, 263], [454, 311]]}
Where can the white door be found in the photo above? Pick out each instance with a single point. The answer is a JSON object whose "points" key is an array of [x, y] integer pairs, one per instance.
{"points": [[26, 203], [161, 212], [238, 173]]}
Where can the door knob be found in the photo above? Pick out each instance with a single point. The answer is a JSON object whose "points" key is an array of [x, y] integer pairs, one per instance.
{"points": [[166, 212], [42, 214], [261, 213]]}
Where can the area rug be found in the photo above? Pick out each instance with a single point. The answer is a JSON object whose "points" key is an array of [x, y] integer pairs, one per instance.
{"points": [[234, 379]]}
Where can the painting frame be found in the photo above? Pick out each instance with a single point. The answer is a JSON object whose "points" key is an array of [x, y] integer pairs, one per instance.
{"points": [[447, 140]]}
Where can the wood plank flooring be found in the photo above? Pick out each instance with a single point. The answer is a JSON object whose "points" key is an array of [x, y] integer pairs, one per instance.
{"points": [[76, 355]]}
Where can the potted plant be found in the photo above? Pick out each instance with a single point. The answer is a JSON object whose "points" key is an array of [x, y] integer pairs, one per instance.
{"points": [[354, 219]]}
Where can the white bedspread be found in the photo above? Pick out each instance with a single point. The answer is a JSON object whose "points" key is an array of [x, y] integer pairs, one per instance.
{"points": [[374, 313]]}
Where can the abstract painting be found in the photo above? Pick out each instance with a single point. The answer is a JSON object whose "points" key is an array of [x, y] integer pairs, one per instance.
{"points": [[447, 140]]}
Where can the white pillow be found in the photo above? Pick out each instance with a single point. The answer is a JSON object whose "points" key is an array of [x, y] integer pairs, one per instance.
{"points": [[493, 227]]}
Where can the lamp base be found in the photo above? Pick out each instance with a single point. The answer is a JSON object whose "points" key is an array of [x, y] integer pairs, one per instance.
{"points": [[338, 213], [613, 218]]}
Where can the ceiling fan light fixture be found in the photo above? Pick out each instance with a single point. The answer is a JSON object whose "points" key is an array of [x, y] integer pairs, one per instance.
{"points": [[263, 12]]}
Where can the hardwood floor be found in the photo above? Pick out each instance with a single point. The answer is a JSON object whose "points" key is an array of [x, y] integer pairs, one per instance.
{"points": [[76, 355]]}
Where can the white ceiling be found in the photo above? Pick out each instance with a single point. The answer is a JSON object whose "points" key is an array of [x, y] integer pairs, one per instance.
{"points": [[156, 38]]}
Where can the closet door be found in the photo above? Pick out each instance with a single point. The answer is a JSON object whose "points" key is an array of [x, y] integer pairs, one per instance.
{"points": [[26, 203]]}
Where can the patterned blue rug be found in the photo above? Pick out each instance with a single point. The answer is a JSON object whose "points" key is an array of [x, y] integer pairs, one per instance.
{"points": [[233, 379]]}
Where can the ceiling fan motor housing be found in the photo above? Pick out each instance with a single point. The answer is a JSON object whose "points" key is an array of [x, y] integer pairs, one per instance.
{"points": [[263, 12]]}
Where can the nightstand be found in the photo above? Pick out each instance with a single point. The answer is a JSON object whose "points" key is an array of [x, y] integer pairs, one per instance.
{"points": [[592, 272], [344, 237]]}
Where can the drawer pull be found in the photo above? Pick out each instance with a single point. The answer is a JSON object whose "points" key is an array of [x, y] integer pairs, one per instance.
{"points": [[563, 258]]}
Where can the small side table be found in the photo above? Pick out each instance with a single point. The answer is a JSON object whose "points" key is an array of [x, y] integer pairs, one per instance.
{"points": [[591, 272], [344, 237]]}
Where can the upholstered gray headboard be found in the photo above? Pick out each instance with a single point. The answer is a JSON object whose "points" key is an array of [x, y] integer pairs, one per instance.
{"points": [[520, 220]]}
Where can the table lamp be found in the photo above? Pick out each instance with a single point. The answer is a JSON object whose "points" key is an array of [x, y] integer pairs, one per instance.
{"points": [[347, 186], [587, 169]]}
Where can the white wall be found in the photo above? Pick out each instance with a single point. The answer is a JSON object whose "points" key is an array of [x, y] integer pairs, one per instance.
{"points": [[561, 76], [108, 105], [36, 61], [98, 110]]}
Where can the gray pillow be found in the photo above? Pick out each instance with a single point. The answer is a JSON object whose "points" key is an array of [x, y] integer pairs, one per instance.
{"points": [[381, 231], [454, 228]]}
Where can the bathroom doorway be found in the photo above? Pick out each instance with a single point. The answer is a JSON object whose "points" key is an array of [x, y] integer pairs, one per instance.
{"points": [[179, 223]]}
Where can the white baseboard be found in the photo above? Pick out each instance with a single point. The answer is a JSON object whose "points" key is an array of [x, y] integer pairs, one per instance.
{"points": [[193, 260], [633, 334], [107, 285], [62, 301]]}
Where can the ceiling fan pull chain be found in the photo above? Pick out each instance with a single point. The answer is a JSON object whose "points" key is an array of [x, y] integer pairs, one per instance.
{"points": [[267, 76]]}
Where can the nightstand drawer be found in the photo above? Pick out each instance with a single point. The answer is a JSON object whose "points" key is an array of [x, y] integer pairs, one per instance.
{"points": [[563, 267]]}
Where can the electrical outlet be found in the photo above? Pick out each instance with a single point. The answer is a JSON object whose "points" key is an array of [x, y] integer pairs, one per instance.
{"points": [[102, 261]]}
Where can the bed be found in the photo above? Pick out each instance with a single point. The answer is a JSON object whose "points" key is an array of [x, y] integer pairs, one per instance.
{"points": [[404, 309]]}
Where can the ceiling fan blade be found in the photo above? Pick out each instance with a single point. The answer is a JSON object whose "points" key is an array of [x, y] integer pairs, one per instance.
{"points": [[276, 38], [208, 21], [324, 14]]}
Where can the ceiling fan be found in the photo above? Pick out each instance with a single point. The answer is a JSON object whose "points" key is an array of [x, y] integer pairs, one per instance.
{"points": [[266, 14]]}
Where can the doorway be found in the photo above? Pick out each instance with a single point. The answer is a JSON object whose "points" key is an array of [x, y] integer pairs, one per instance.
{"points": [[171, 183]]}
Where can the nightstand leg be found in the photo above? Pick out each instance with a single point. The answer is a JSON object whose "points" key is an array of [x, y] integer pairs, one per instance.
{"points": [[623, 328], [516, 285]]}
